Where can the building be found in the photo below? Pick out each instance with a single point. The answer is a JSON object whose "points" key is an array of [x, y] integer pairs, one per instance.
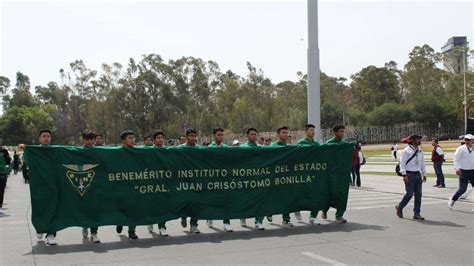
{"points": [[455, 53]]}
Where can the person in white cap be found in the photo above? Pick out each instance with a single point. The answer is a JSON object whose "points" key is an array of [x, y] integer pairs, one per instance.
{"points": [[464, 167], [236, 142]]}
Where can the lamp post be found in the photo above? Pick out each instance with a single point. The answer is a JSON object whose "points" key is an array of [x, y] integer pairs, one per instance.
{"points": [[314, 92]]}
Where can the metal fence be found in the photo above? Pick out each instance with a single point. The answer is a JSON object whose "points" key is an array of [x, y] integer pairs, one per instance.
{"points": [[378, 134]]}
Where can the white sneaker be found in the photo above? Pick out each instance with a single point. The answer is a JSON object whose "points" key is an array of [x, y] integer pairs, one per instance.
{"points": [[163, 232], [39, 236], [85, 233], [194, 229], [288, 224], [259, 226], [51, 240], [150, 228], [243, 223], [94, 238], [451, 203], [312, 220], [298, 216], [209, 223], [228, 228]]}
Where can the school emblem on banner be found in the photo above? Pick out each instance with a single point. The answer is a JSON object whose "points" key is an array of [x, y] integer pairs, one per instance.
{"points": [[80, 176]]}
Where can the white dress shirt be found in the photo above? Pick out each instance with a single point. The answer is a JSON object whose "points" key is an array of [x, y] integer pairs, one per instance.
{"points": [[464, 158], [417, 164]]}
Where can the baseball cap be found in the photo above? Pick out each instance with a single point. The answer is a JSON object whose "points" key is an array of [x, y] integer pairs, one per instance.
{"points": [[469, 136]]}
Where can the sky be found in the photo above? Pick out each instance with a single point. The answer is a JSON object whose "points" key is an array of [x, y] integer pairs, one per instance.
{"points": [[38, 38]]}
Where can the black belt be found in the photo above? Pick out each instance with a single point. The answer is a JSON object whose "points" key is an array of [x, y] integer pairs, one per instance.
{"points": [[411, 172]]}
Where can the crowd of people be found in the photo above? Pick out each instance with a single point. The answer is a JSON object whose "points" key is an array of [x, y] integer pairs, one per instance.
{"points": [[412, 168]]}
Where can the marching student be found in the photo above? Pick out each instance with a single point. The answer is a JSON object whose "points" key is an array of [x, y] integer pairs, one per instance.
{"points": [[251, 142], [5, 160], [338, 132], [464, 167], [159, 140], [128, 141], [218, 134], [413, 170], [310, 131], [99, 140], [148, 141], [191, 142], [44, 139], [88, 140], [282, 134]]}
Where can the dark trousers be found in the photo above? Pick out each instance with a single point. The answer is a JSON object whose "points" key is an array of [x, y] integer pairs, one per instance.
{"points": [[413, 186], [395, 154], [356, 175], [3, 184], [466, 176], [438, 167], [25, 174]]}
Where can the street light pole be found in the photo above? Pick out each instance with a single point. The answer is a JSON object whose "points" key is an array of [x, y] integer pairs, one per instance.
{"points": [[465, 93], [314, 91]]}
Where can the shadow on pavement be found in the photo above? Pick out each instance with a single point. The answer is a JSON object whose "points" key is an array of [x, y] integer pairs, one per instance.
{"points": [[440, 223], [124, 242]]}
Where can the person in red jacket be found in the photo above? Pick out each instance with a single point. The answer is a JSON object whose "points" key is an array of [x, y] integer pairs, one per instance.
{"points": [[437, 157]]}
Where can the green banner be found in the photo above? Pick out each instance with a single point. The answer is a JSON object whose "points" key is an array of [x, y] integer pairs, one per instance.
{"points": [[88, 187]]}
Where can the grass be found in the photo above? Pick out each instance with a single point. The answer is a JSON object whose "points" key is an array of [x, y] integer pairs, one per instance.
{"points": [[395, 175]]}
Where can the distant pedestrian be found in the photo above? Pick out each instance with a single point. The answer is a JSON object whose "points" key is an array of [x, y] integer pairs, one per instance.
{"points": [[394, 149], [437, 157], [464, 166], [16, 162], [357, 161], [413, 170]]}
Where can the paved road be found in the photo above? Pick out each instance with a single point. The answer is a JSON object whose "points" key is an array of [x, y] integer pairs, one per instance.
{"points": [[374, 235]]}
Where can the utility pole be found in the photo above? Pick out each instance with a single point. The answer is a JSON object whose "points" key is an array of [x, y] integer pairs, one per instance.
{"points": [[465, 93], [314, 90]]}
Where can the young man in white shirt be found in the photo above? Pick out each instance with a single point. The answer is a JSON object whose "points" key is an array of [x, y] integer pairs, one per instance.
{"points": [[464, 166], [413, 170]]}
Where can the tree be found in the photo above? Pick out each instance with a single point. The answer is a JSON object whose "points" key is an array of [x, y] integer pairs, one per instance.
{"points": [[374, 86], [390, 114], [421, 76]]}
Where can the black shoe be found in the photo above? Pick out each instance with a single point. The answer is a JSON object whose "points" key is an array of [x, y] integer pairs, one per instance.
{"points": [[324, 215], [441, 186], [418, 217], [119, 229], [399, 211], [435, 185], [184, 222], [132, 236]]}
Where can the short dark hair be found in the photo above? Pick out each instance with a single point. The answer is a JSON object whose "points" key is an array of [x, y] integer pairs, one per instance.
{"points": [[157, 133], [262, 138], [251, 129], [336, 128], [149, 136], [88, 135], [98, 135], [125, 134], [217, 129], [282, 128], [435, 140], [308, 126], [44, 131], [190, 131]]}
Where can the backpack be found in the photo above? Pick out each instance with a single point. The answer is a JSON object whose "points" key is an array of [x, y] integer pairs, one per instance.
{"points": [[397, 168]]}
